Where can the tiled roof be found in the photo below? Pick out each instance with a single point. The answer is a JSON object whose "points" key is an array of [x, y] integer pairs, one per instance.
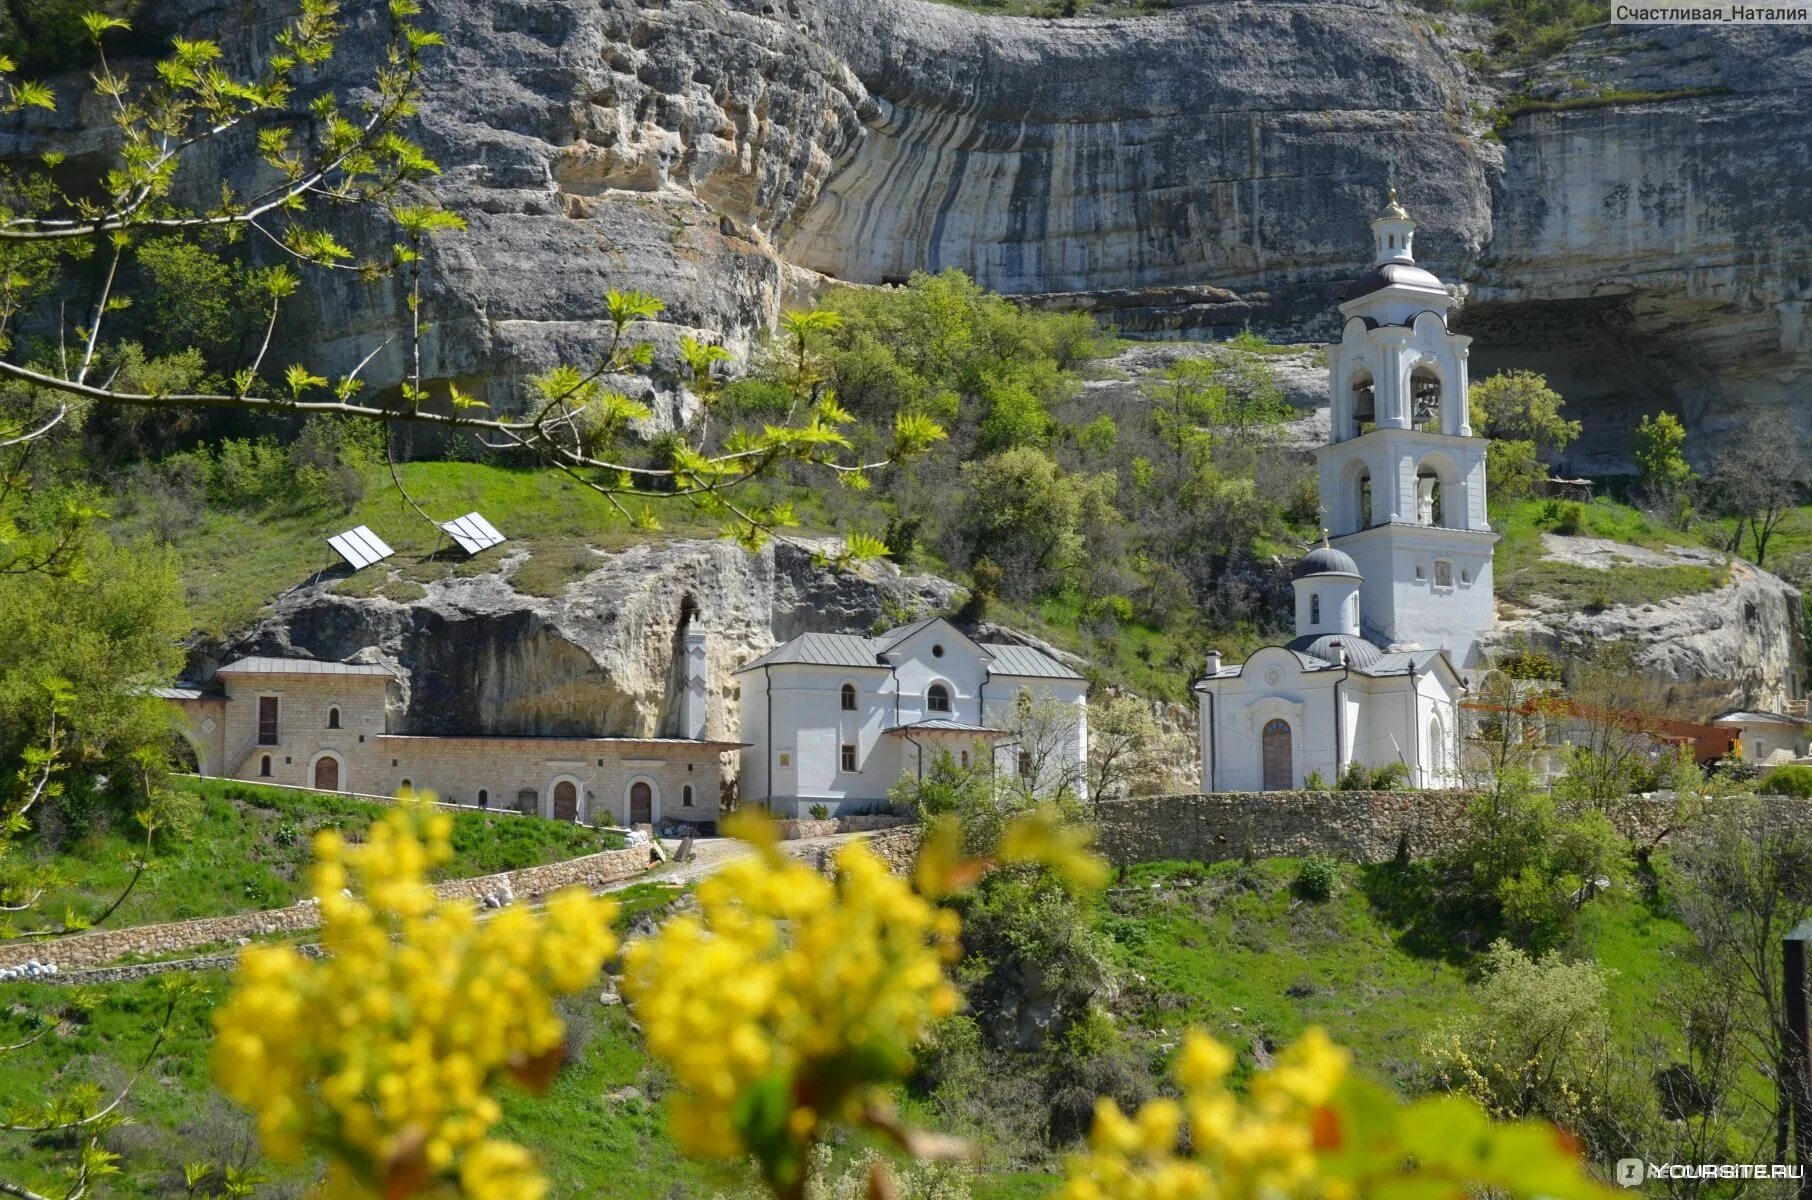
{"points": [[824, 650], [259, 664], [1025, 661]]}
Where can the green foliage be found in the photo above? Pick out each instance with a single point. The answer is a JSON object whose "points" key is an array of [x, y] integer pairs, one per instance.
{"points": [[1658, 447], [1539, 1045], [1030, 518], [820, 812], [1533, 30], [1522, 416], [1791, 780], [1385, 777], [1317, 878], [103, 634]]}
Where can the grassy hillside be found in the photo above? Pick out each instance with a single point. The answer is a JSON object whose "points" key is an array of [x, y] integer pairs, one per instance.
{"points": [[241, 847], [1522, 574], [1228, 947], [238, 558]]}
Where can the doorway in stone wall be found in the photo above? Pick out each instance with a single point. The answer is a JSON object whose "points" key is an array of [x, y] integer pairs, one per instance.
{"points": [[1277, 756], [566, 801], [641, 803], [327, 773]]}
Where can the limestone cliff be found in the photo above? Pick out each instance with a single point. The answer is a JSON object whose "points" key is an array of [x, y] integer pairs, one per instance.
{"points": [[1640, 237], [476, 655]]}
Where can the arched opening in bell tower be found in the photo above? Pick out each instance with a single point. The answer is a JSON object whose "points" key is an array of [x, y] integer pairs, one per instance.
{"points": [[1425, 398], [1354, 511], [1439, 499], [1365, 402]]}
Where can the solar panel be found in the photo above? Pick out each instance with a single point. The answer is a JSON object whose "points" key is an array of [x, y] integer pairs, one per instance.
{"points": [[473, 533], [360, 547]]}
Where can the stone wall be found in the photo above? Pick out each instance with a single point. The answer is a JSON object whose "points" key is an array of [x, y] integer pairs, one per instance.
{"points": [[99, 947], [1355, 826], [806, 827]]}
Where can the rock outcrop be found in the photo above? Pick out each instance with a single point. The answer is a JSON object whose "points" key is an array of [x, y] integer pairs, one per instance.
{"points": [[477, 656], [1740, 645], [1641, 238]]}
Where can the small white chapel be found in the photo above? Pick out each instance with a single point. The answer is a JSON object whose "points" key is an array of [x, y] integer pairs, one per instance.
{"points": [[1391, 607]]}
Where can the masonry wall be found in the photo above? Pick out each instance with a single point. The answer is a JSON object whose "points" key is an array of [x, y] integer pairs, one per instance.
{"points": [[101, 946], [1355, 826]]}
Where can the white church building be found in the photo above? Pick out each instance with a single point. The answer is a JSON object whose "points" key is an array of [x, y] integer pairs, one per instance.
{"points": [[836, 719], [1390, 609]]}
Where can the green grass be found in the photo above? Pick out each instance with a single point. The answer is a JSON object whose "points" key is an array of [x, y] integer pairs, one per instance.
{"points": [[1522, 574], [247, 847], [237, 560], [1227, 946]]}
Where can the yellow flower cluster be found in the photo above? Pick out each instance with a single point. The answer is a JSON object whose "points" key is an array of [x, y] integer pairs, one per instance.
{"points": [[382, 1055], [1305, 1128], [790, 996]]}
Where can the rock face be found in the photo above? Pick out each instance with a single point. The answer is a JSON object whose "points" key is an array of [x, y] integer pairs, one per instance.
{"points": [[1738, 646], [1198, 170], [477, 656]]}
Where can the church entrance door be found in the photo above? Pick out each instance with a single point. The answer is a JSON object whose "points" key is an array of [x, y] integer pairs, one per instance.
{"points": [[327, 773], [641, 804], [1278, 775], [566, 801]]}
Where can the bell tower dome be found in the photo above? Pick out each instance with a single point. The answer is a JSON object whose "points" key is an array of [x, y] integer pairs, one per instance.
{"points": [[1403, 479]]}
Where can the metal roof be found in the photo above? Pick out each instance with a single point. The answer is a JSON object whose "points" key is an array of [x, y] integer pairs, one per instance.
{"points": [[940, 725], [182, 691], [516, 738], [1400, 662], [473, 533], [823, 650], [259, 664], [1745, 717], [360, 547], [1026, 661]]}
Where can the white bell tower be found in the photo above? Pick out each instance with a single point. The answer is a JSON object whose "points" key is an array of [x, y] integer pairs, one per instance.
{"points": [[1403, 480]]}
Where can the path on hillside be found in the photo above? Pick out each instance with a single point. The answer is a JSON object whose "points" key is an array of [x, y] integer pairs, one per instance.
{"points": [[709, 855]]}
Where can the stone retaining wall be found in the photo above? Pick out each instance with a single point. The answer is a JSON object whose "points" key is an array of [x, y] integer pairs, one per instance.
{"points": [[102, 946], [1355, 826], [803, 827]]}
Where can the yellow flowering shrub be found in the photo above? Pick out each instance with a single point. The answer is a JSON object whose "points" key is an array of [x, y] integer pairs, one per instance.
{"points": [[382, 1056], [789, 1000], [1307, 1128]]}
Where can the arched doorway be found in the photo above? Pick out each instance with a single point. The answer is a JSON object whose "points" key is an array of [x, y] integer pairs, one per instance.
{"points": [[1278, 775], [641, 803], [566, 801], [327, 773]]}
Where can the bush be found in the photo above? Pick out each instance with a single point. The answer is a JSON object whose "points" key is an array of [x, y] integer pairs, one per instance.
{"points": [[1793, 780], [1317, 878], [820, 812]]}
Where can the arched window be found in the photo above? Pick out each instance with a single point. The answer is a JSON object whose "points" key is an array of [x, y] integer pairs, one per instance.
{"points": [[1314, 610], [1362, 500], [1421, 572], [937, 698], [405, 788], [484, 798], [849, 697], [1437, 746], [333, 718], [264, 765], [965, 760], [686, 796]]}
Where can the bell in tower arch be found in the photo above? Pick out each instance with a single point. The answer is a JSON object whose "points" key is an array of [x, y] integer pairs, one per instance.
{"points": [[1365, 400]]}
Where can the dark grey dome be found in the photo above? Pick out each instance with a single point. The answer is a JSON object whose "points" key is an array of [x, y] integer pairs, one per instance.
{"points": [[1324, 560], [1359, 652], [1393, 275]]}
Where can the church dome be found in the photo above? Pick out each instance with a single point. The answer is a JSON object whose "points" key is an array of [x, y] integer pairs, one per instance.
{"points": [[1359, 652], [1394, 274], [1324, 560]]}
